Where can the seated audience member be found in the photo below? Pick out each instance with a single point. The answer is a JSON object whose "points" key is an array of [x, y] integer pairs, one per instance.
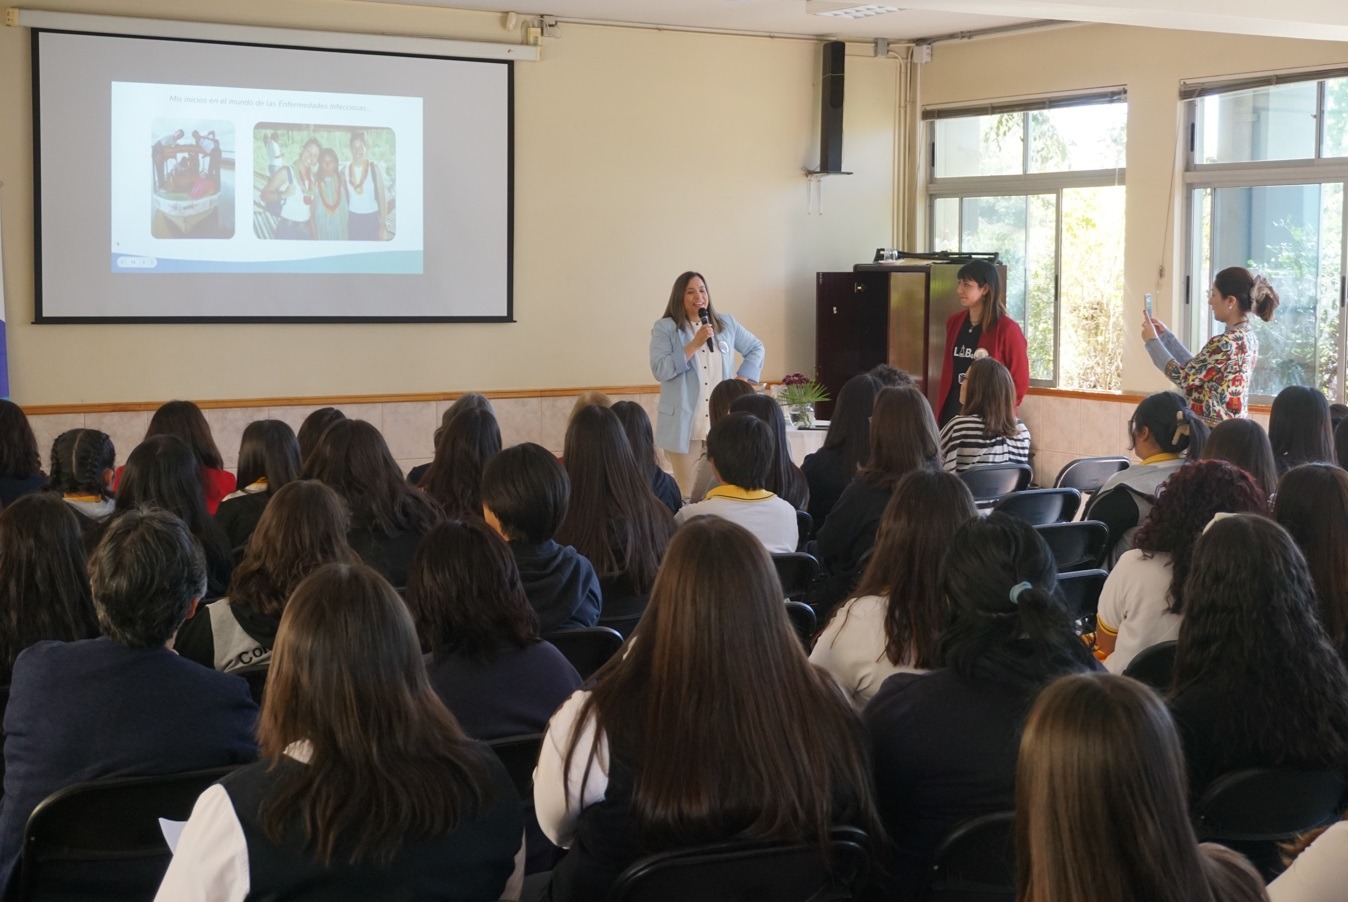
{"points": [[462, 448], [470, 401], [1143, 599], [945, 743], [368, 788], [837, 462], [163, 472], [889, 376], [184, 420], [524, 498], [588, 399], [741, 452], [637, 424], [1341, 444], [20, 463], [1298, 428], [487, 663], [903, 439], [82, 462], [269, 458], [123, 704], [1244, 442], [1164, 433], [1101, 779], [894, 623], [1257, 682], [784, 478], [313, 427], [612, 517], [986, 431], [388, 516], [726, 392], [302, 528], [712, 726], [1312, 505], [1337, 414], [1319, 866]]}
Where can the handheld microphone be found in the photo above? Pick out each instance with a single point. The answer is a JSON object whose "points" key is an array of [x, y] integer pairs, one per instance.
{"points": [[706, 320]]}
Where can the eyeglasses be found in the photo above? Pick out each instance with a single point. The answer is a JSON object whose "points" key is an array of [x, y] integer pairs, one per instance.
{"points": [[963, 378]]}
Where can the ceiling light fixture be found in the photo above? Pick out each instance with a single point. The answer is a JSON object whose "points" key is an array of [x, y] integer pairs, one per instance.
{"points": [[859, 12]]}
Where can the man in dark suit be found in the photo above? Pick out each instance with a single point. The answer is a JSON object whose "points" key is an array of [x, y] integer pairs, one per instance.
{"points": [[123, 704]]}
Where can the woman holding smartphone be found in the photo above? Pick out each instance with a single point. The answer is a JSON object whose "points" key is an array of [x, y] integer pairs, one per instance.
{"points": [[1216, 380]]}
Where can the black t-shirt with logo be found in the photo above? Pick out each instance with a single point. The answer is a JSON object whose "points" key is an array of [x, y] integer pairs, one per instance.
{"points": [[966, 344]]}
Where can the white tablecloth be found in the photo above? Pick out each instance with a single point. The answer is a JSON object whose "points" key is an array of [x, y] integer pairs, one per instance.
{"points": [[806, 441]]}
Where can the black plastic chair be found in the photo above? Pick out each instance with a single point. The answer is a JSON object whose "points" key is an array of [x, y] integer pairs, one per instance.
{"points": [[1253, 811], [255, 675], [991, 483], [1040, 507], [804, 529], [1088, 474], [804, 621], [796, 572], [623, 614], [739, 871], [1154, 665], [588, 648], [102, 840], [975, 863], [1082, 545], [519, 754], [1082, 593]]}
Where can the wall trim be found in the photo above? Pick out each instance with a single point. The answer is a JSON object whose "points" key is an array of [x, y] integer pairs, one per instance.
{"points": [[1115, 396]]}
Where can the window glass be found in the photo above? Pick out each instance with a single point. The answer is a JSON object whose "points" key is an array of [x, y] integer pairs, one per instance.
{"points": [[1273, 123], [1091, 136], [980, 145], [1335, 140], [945, 224], [1095, 314]]}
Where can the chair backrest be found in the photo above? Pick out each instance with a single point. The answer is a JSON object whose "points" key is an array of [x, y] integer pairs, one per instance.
{"points": [[1154, 665], [989, 483], [1082, 545], [976, 861], [804, 620], [1088, 474], [796, 571], [588, 648], [255, 675], [1039, 507], [519, 754], [622, 614], [102, 839], [804, 529], [747, 871], [1082, 592]]}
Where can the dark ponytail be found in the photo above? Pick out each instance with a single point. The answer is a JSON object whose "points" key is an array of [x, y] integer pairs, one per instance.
{"points": [[1172, 423], [79, 458], [1252, 292]]}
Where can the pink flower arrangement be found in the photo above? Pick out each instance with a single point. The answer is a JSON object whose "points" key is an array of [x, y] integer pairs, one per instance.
{"points": [[795, 379]]}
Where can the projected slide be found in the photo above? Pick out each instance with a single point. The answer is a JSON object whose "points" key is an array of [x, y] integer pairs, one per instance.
{"points": [[264, 181]]}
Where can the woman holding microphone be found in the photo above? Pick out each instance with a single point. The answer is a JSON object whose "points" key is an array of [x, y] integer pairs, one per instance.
{"points": [[981, 328], [692, 349], [1216, 380]]}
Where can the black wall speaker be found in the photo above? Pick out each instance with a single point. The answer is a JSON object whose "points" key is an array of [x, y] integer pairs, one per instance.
{"points": [[831, 107]]}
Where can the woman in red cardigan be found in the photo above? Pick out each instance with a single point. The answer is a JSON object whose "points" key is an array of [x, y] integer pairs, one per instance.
{"points": [[981, 329]]}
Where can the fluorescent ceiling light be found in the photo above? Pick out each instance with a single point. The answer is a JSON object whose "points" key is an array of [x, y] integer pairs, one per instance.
{"points": [[859, 12]]}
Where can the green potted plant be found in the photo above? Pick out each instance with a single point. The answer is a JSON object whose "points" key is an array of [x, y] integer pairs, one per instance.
{"points": [[798, 394]]}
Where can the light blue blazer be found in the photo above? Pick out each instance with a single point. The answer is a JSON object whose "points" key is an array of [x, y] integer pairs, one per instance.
{"points": [[677, 375]]}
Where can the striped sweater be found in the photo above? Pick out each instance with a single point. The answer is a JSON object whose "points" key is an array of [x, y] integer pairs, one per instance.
{"points": [[964, 445]]}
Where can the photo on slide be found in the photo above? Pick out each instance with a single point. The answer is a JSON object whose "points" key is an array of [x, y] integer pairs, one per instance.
{"points": [[192, 194], [323, 182]]}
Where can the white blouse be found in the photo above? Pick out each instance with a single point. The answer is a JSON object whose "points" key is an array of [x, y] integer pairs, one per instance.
{"points": [[557, 802], [852, 649], [1319, 874], [1134, 604]]}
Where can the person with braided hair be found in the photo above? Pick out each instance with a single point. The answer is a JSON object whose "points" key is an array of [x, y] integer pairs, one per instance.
{"points": [[82, 463]]}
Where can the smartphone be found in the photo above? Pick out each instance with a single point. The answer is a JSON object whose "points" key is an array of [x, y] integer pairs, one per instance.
{"points": [[1148, 305]]}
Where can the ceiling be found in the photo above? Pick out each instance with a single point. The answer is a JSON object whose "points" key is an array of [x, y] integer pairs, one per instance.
{"points": [[1310, 19]]}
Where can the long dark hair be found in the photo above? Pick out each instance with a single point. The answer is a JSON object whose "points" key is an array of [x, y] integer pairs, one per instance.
{"points": [[849, 432], [1025, 637], [990, 395], [465, 593], [185, 420], [1186, 504], [1243, 442], [731, 731], [674, 309], [79, 460], [923, 513], [723, 394], [468, 401], [352, 457], [1101, 777], [313, 427], [44, 585], [268, 450], [1252, 637], [640, 437], [985, 275], [1298, 427], [613, 517], [302, 528], [1252, 293], [785, 480], [463, 446], [389, 764], [163, 472], [1173, 426], [1312, 505], [19, 457], [904, 437]]}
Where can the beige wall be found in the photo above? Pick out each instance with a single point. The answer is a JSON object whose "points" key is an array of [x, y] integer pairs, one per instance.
{"points": [[638, 154], [1151, 63]]}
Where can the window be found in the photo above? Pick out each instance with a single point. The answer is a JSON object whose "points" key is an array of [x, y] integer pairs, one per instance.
{"points": [[1042, 185], [1267, 166]]}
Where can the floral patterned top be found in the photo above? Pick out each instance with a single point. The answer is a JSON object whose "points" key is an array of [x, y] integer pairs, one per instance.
{"points": [[1216, 380]]}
